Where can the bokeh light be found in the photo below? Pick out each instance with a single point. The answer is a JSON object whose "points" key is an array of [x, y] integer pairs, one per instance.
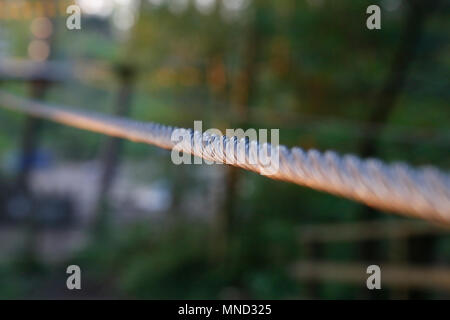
{"points": [[38, 50], [205, 6], [41, 28], [101, 8]]}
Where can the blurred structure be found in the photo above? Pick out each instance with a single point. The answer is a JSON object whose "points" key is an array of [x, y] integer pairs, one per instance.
{"points": [[309, 68]]}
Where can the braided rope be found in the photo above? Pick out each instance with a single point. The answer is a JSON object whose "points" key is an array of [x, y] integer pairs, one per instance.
{"points": [[418, 192]]}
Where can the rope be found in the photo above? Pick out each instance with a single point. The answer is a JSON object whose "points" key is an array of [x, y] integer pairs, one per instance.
{"points": [[418, 192]]}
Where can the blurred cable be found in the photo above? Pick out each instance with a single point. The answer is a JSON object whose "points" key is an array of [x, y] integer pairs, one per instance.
{"points": [[422, 192]]}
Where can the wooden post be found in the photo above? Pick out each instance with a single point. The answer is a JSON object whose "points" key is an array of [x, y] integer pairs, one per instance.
{"points": [[42, 31], [110, 155], [385, 101], [241, 96], [313, 252], [30, 138], [31, 130]]}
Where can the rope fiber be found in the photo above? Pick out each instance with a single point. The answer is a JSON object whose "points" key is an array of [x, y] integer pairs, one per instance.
{"points": [[418, 192]]}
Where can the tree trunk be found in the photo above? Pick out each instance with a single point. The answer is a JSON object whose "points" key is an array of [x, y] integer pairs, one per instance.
{"points": [[241, 95], [384, 102]]}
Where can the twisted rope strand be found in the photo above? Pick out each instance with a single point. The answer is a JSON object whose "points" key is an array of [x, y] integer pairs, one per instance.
{"points": [[418, 192]]}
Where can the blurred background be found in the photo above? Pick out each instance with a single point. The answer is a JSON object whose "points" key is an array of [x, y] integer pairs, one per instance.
{"points": [[141, 227]]}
